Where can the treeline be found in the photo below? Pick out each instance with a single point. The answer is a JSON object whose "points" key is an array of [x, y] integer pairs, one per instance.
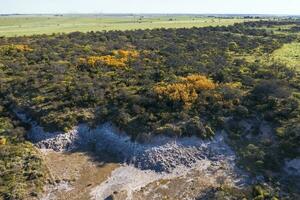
{"points": [[272, 23]]}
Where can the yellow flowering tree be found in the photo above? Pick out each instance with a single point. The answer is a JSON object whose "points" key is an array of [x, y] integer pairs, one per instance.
{"points": [[186, 89], [17, 47], [118, 59]]}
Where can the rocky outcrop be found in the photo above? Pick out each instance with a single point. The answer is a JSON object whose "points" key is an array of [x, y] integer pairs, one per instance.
{"points": [[162, 154], [160, 158]]}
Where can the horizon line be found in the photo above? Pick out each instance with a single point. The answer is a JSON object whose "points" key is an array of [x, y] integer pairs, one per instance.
{"points": [[148, 13]]}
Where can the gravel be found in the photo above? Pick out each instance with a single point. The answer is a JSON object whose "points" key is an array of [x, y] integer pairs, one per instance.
{"points": [[161, 154], [160, 158]]}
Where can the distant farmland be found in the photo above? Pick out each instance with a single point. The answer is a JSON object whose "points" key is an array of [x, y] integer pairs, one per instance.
{"points": [[19, 25]]}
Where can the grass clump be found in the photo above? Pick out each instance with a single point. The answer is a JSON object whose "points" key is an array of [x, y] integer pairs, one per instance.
{"points": [[289, 54]]}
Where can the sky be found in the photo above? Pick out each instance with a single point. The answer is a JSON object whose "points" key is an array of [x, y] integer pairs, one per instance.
{"points": [[291, 7]]}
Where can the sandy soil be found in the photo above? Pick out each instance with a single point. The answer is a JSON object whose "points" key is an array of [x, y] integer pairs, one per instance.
{"points": [[83, 176], [75, 174], [162, 168], [128, 182]]}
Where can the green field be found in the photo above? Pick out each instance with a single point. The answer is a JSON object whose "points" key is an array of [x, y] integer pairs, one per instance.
{"points": [[289, 54], [43, 24]]}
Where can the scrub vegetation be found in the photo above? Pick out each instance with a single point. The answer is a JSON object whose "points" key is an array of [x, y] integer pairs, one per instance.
{"points": [[175, 82], [289, 54], [22, 173]]}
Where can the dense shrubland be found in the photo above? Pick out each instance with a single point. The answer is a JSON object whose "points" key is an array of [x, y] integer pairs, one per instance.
{"points": [[22, 174], [66, 79], [164, 81], [120, 58]]}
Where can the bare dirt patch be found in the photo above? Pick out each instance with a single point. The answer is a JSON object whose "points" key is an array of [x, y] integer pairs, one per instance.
{"points": [[161, 168], [74, 174]]}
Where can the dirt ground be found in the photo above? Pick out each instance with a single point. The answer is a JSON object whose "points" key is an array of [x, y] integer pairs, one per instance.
{"points": [[84, 175], [75, 174]]}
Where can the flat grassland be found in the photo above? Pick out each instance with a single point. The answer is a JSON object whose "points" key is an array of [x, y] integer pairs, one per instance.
{"points": [[289, 54], [19, 25]]}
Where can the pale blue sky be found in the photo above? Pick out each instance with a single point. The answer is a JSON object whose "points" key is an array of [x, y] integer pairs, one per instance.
{"points": [[151, 6]]}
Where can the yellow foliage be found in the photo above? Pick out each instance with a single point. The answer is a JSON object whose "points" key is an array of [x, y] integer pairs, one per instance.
{"points": [[3, 141], [82, 60], [119, 58], [108, 60], [126, 53], [186, 89], [22, 47], [199, 82], [38, 99], [18, 47], [177, 92], [233, 85]]}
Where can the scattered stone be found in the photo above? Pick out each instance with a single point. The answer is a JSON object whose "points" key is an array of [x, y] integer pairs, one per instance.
{"points": [[161, 154], [161, 157]]}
